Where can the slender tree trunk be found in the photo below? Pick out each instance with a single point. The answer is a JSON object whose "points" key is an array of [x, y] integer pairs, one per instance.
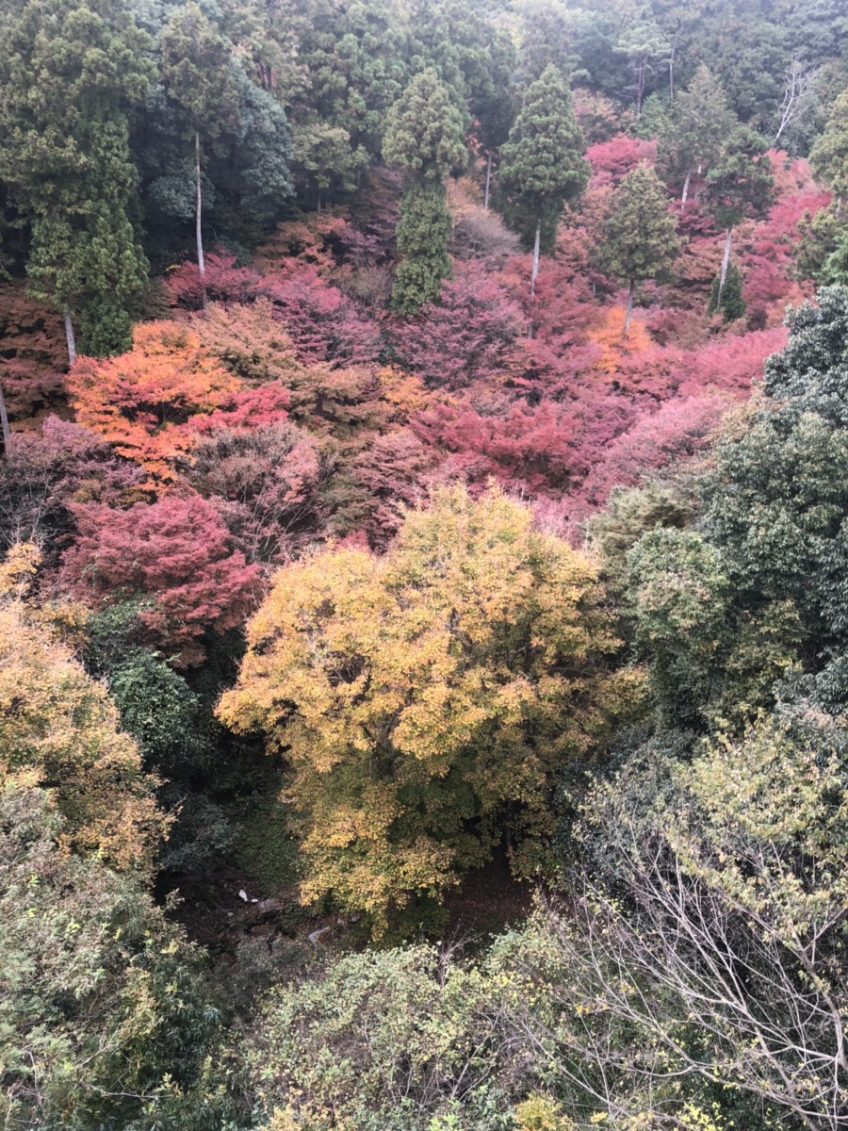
{"points": [[725, 264], [685, 194], [629, 315], [198, 216], [70, 337], [4, 423], [488, 180], [534, 271]]}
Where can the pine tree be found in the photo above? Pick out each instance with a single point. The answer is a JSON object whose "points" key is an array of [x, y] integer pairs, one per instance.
{"points": [[424, 136], [72, 71], [541, 163], [639, 239], [740, 185], [700, 122]]}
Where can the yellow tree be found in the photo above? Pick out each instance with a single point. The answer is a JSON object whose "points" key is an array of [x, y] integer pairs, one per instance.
{"points": [[59, 729], [423, 702]]}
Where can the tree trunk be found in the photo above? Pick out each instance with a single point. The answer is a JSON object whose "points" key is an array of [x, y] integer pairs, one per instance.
{"points": [[198, 216], [488, 180], [4, 423], [725, 264], [629, 315], [534, 272], [685, 194], [69, 336]]}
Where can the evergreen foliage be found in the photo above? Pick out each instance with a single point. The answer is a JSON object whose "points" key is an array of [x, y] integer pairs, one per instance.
{"points": [[423, 232], [72, 75], [542, 166]]}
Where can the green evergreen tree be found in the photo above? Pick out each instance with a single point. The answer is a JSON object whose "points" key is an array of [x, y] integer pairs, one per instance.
{"points": [[740, 185], [422, 238], [731, 301], [424, 136], [699, 124], [542, 165], [424, 130], [645, 46], [200, 83], [72, 72], [639, 236]]}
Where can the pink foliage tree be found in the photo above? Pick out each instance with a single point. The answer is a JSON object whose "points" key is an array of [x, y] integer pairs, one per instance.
{"points": [[224, 281], [324, 324], [471, 335], [177, 556]]}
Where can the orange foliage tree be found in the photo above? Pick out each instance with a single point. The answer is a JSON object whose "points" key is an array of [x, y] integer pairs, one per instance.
{"points": [[611, 339], [144, 400]]}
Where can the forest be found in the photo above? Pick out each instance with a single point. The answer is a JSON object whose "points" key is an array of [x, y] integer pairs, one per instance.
{"points": [[424, 565]]}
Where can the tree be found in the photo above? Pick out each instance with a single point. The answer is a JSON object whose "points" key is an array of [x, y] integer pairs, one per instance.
{"points": [[470, 335], [58, 727], [541, 163], [396, 1022], [739, 185], [700, 122], [143, 401], [829, 155], [200, 82], [173, 557], [639, 240], [710, 919], [642, 44], [730, 299], [72, 75], [424, 136], [422, 236], [264, 483], [749, 608], [104, 1021], [423, 701]]}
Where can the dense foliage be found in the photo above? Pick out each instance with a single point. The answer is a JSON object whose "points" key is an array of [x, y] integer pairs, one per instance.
{"points": [[423, 556]]}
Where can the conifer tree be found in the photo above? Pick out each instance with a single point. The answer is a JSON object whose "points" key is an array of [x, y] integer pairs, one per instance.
{"points": [[422, 238], [700, 122], [72, 71], [424, 136], [640, 238], [541, 163], [200, 83], [739, 186]]}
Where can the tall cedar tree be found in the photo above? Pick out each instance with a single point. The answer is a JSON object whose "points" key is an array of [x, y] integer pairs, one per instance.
{"points": [[541, 163], [424, 136], [71, 72], [639, 235], [199, 80], [700, 122], [740, 185]]}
